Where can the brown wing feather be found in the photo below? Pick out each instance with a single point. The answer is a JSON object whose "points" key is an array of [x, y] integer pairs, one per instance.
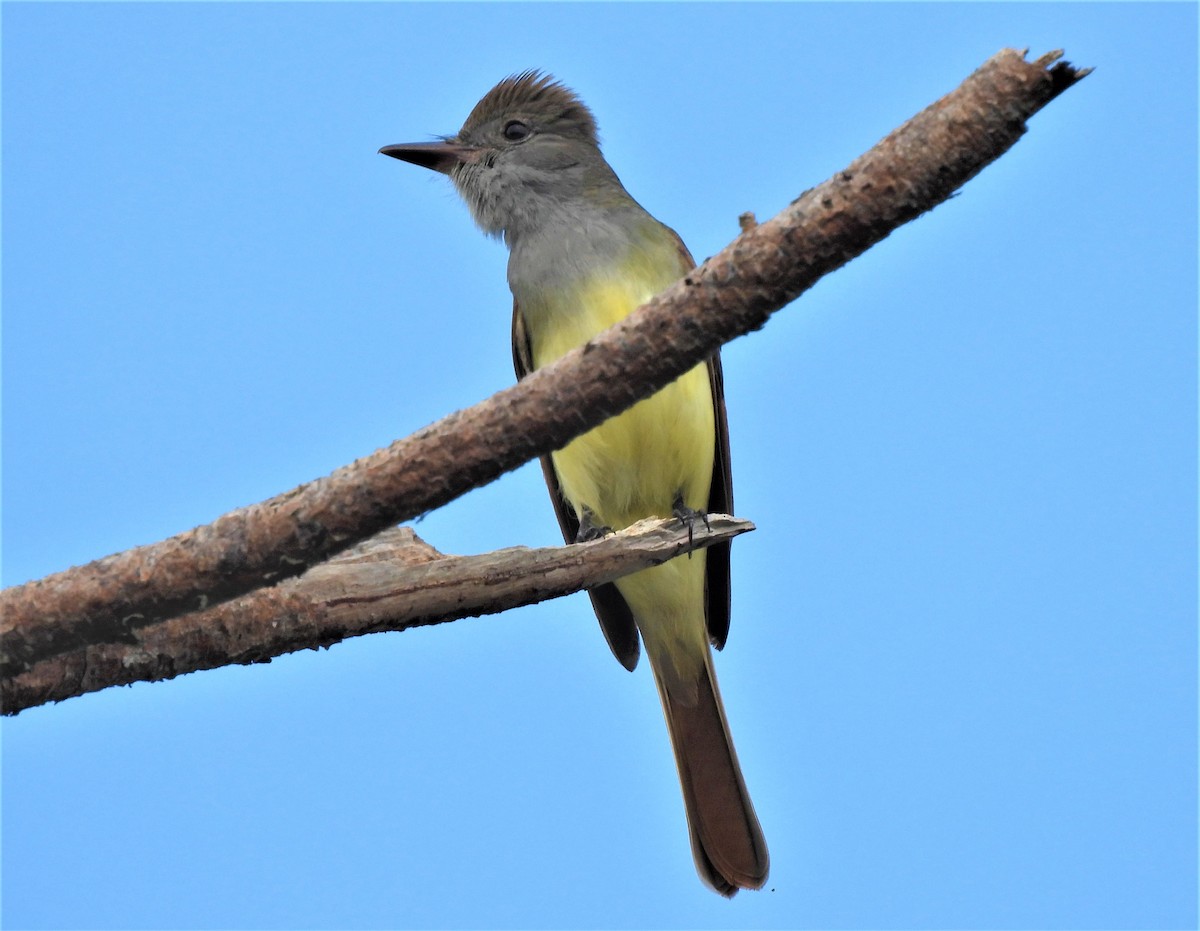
{"points": [[718, 599], [616, 620]]}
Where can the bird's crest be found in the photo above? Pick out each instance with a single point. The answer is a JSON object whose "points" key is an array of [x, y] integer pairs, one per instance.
{"points": [[538, 97]]}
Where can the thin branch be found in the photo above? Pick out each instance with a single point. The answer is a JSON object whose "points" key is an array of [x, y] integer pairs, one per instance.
{"points": [[912, 170], [393, 582]]}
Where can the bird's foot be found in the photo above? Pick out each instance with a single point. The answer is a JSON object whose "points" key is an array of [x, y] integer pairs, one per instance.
{"points": [[689, 516], [590, 528]]}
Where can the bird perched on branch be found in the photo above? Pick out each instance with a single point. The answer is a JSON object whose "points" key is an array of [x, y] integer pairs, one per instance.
{"points": [[583, 255]]}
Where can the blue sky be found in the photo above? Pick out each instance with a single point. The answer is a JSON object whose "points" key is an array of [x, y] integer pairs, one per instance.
{"points": [[962, 667]]}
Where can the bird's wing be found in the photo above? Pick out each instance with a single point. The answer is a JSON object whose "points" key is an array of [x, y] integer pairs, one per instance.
{"points": [[717, 598]]}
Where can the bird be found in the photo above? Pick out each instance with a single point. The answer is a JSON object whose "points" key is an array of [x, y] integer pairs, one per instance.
{"points": [[583, 255]]}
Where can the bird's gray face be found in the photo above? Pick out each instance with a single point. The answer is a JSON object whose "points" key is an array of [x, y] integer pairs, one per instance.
{"points": [[521, 170], [527, 149]]}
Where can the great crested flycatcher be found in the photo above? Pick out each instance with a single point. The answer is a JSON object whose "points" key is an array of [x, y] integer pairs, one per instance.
{"points": [[583, 255]]}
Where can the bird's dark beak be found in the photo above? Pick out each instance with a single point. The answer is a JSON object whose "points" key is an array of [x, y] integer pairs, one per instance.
{"points": [[439, 156]]}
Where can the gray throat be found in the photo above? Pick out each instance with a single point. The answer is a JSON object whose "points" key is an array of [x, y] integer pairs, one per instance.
{"points": [[561, 224], [573, 242]]}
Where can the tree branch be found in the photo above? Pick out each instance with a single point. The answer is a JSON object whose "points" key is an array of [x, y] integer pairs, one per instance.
{"points": [[392, 582], [912, 170]]}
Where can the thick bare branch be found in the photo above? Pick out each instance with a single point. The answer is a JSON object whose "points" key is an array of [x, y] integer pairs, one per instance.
{"points": [[912, 170], [393, 582]]}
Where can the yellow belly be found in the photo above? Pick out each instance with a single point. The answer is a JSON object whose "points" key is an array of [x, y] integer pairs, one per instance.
{"points": [[634, 465]]}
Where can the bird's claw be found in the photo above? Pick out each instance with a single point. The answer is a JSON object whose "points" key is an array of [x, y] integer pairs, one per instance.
{"points": [[590, 528], [689, 516]]}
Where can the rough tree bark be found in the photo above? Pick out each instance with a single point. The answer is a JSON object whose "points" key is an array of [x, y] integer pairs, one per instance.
{"points": [[913, 169], [393, 581]]}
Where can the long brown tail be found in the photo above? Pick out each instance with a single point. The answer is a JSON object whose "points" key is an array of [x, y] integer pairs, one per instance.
{"points": [[727, 842]]}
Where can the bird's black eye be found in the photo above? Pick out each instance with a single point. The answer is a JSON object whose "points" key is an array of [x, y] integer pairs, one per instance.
{"points": [[515, 130]]}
